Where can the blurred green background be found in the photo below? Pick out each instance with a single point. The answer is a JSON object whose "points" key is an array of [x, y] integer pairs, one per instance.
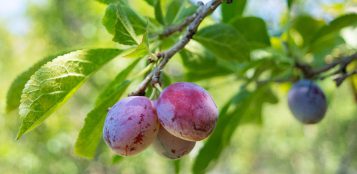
{"points": [[32, 29]]}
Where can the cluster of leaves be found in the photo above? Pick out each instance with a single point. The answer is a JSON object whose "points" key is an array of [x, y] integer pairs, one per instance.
{"points": [[234, 45]]}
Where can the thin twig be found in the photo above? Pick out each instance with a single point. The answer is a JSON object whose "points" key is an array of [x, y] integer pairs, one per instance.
{"points": [[339, 80], [180, 27], [309, 72], [165, 56]]}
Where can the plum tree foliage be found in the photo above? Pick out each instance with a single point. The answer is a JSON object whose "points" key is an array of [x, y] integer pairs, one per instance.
{"points": [[232, 45]]}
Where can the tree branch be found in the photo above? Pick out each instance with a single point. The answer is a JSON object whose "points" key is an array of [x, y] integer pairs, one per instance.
{"points": [[309, 72], [339, 80], [178, 28], [165, 56]]}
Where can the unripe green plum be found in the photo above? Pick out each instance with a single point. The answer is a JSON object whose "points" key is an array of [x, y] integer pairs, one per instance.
{"points": [[170, 146], [307, 102], [187, 111], [131, 125]]}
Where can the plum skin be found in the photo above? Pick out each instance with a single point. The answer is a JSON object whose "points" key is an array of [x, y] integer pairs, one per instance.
{"points": [[131, 125], [170, 146], [307, 102], [187, 111]]}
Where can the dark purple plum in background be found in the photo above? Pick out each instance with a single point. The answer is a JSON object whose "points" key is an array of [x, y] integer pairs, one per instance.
{"points": [[307, 102]]}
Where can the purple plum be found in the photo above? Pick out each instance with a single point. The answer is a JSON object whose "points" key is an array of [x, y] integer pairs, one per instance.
{"points": [[170, 146], [307, 102], [187, 111], [131, 125]]}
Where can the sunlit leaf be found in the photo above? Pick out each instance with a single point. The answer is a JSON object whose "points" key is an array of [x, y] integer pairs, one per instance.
{"points": [[14, 93], [141, 50], [56, 81]]}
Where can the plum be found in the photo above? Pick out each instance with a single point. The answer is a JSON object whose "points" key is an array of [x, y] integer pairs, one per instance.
{"points": [[187, 111], [307, 102], [131, 125], [170, 146]]}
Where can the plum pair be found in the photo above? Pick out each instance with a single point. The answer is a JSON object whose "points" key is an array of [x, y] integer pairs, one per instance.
{"points": [[183, 114]]}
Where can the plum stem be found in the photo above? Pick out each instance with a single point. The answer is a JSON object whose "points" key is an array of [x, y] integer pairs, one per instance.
{"points": [[158, 87], [153, 94], [154, 76]]}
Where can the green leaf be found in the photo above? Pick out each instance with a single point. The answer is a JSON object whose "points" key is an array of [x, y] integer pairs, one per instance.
{"points": [[112, 88], [324, 47], [124, 31], [224, 41], [91, 132], [108, 1], [335, 26], [202, 65], [184, 12], [307, 27], [177, 165], [56, 81], [158, 12], [14, 93], [214, 145], [235, 9], [116, 159], [290, 3], [247, 106], [141, 50], [89, 136], [253, 29], [327, 38], [172, 10], [151, 2], [124, 23]]}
